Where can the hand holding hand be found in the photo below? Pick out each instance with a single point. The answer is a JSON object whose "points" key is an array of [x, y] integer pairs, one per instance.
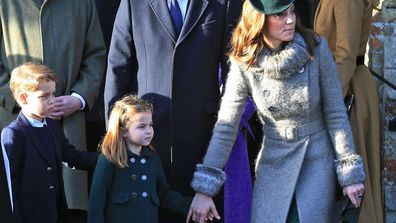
{"points": [[202, 208], [354, 192], [65, 106]]}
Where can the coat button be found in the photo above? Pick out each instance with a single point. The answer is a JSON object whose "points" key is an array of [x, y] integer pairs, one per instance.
{"points": [[144, 177], [51, 187], [144, 194], [143, 161], [133, 176], [301, 70], [272, 108], [266, 93], [258, 77], [134, 195], [49, 169], [133, 160]]}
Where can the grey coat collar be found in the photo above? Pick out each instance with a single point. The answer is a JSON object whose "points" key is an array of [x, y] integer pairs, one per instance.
{"points": [[285, 63]]}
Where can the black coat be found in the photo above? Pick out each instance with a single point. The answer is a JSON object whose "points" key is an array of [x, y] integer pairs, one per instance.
{"points": [[179, 75], [36, 174]]}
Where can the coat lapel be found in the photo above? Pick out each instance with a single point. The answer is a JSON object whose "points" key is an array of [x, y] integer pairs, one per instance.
{"points": [[33, 136], [195, 10], [161, 11], [58, 149], [38, 3], [319, 7]]}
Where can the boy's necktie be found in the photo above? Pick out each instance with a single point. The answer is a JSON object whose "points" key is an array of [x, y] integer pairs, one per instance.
{"points": [[177, 18]]}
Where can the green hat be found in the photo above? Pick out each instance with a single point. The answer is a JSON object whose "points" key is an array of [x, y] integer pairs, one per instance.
{"points": [[270, 7]]}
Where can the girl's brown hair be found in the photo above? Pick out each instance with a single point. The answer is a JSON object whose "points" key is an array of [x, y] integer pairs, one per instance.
{"points": [[114, 146], [247, 39]]}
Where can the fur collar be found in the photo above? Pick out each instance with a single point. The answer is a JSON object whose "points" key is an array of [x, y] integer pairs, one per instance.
{"points": [[285, 63]]}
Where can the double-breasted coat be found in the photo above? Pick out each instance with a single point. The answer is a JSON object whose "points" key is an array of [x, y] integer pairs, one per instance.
{"points": [[347, 25], [64, 35], [306, 133], [36, 169], [132, 194], [178, 74]]}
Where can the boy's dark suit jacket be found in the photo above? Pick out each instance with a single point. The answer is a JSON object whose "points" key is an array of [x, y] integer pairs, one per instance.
{"points": [[5, 204], [36, 174]]}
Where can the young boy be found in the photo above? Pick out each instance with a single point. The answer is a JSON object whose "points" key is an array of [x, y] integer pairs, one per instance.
{"points": [[36, 146]]}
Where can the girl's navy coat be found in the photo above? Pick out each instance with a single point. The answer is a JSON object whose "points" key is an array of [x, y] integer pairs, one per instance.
{"points": [[132, 194], [36, 171]]}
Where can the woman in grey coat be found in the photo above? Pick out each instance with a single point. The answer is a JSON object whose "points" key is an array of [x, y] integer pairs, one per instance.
{"points": [[307, 145]]}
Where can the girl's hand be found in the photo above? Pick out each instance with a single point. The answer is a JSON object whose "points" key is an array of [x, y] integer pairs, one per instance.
{"points": [[202, 208], [354, 192]]}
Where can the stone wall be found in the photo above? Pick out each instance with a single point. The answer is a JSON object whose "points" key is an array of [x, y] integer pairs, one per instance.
{"points": [[382, 59]]}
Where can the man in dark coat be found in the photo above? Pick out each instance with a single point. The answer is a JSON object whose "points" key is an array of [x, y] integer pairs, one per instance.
{"points": [[177, 72], [305, 10]]}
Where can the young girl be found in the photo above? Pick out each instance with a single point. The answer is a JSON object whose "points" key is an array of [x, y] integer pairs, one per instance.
{"points": [[129, 183]]}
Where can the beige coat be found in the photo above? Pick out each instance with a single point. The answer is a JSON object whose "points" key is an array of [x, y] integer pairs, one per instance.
{"points": [[64, 35], [347, 25]]}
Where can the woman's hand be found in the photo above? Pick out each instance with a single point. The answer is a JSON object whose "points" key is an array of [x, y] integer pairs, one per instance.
{"points": [[354, 192], [202, 208]]}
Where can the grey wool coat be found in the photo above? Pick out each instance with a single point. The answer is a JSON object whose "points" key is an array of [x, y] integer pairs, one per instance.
{"points": [[307, 142]]}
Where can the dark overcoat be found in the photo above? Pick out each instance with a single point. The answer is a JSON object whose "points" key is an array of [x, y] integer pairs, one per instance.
{"points": [[36, 176], [178, 74]]}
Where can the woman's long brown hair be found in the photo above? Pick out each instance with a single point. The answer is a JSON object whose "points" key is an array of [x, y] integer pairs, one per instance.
{"points": [[247, 39]]}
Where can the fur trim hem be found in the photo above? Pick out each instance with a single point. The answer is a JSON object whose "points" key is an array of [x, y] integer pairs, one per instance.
{"points": [[350, 170], [208, 180]]}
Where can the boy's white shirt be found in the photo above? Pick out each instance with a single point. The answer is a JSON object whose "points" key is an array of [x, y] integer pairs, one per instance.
{"points": [[35, 123]]}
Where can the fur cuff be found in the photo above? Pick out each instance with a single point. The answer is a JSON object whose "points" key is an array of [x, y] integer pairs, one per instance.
{"points": [[350, 170], [208, 180]]}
